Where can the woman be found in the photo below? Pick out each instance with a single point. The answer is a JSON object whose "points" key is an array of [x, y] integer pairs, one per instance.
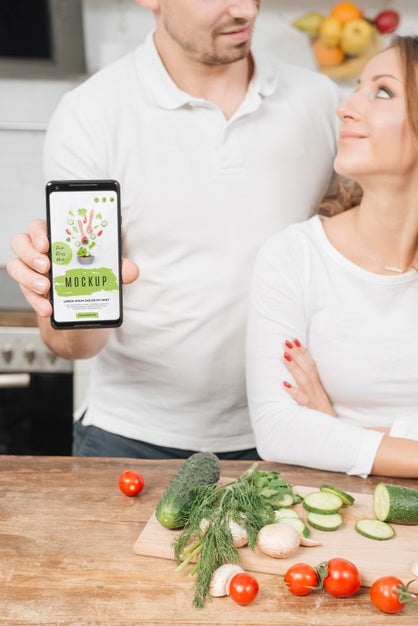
{"points": [[347, 288]]}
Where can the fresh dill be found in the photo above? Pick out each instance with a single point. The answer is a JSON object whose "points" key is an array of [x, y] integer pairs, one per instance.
{"points": [[249, 500]]}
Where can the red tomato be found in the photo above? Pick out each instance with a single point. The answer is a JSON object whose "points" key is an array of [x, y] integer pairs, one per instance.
{"points": [[243, 589], [300, 579], [383, 594], [131, 483], [342, 579]]}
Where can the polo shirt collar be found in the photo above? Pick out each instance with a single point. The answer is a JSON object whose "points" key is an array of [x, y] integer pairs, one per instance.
{"points": [[164, 92]]}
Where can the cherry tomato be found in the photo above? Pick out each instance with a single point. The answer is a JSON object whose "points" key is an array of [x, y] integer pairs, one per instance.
{"points": [[243, 589], [342, 579], [300, 579], [131, 483], [389, 594]]}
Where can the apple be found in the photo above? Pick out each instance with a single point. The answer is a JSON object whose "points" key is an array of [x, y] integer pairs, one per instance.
{"points": [[356, 37], [387, 21]]}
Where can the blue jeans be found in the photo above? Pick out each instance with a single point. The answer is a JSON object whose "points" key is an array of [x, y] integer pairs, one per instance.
{"points": [[93, 441]]}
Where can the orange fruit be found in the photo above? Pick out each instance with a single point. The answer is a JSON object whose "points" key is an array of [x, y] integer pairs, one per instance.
{"points": [[346, 11], [325, 56]]}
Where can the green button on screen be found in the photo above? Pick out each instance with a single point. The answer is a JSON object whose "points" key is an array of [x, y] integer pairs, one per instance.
{"points": [[86, 314]]}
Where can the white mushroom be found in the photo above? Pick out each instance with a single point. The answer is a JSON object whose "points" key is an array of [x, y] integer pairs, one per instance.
{"points": [[414, 568], [239, 534], [221, 579], [278, 540]]}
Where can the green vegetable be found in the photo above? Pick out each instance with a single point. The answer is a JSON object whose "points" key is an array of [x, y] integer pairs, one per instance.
{"points": [[297, 524], [322, 502], [324, 522], [286, 512], [202, 468], [345, 497], [249, 501], [274, 489], [393, 503], [374, 529]]}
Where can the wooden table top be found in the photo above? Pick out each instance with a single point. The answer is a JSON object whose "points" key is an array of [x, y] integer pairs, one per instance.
{"points": [[66, 552]]}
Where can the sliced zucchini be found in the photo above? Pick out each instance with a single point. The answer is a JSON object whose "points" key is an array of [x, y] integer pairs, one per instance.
{"points": [[345, 497], [324, 522], [322, 502], [286, 501], [374, 529], [284, 512], [297, 524], [393, 503]]}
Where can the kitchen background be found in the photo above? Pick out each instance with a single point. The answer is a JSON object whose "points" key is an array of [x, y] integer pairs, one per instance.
{"points": [[110, 29]]}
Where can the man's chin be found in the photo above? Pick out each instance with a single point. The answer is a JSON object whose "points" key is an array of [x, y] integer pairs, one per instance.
{"points": [[235, 54]]}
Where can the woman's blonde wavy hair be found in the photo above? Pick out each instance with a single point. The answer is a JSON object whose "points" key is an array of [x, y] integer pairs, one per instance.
{"points": [[348, 192]]}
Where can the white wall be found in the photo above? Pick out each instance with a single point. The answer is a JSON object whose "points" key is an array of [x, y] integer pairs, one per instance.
{"points": [[113, 27]]}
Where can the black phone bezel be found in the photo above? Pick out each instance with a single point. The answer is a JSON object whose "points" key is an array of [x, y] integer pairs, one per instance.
{"points": [[54, 186]]}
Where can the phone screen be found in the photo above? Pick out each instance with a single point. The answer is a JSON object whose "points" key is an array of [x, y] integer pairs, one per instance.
{"points": [[83, 219]]}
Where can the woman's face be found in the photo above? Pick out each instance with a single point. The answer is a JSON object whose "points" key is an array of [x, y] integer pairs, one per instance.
{"points": [[374, 135]]}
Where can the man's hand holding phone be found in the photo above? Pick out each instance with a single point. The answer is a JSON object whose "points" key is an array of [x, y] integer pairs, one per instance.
{"points": [[31, 266]]}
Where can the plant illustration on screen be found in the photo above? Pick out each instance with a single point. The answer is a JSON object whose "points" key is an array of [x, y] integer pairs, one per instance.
{"points": [[83, 229]]}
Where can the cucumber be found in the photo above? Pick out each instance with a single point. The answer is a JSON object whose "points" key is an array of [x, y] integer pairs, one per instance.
{"points": [[345, 497], [393, 503], [285, 512], [201, 468], [374, 529], [324, 522], [286, 501], [321, 502], [297, 524]]}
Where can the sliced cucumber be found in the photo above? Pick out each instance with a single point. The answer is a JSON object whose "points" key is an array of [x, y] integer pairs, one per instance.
{"points": [[286, 501], [297, 524], [345, 497], [324, 522], [284, 512], [374, 529], [322, 502], [393, 503]]}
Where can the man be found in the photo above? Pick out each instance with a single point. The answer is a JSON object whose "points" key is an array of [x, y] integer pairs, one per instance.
{"points": [[215, 150]]}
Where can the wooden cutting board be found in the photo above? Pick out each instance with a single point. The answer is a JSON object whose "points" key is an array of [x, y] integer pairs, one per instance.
{"points": [[373, 558]]}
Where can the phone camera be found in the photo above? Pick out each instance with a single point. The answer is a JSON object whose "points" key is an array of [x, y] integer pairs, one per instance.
{"points": [[56, 187]]}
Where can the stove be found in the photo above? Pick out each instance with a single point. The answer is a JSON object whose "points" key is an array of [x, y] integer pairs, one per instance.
{"points": [[22, 350]]}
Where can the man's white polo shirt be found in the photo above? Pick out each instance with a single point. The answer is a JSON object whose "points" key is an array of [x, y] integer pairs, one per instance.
{"points": [[200, 194]]}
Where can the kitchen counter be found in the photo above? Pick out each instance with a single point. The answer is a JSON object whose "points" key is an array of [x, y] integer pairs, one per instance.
{"points": [[66, 541]]}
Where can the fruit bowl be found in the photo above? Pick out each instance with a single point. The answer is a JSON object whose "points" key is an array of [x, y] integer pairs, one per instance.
{"points": [[352, 67], [345, 40]]}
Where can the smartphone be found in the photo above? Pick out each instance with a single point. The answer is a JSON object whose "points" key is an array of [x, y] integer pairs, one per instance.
{"points": [[84, 230]]}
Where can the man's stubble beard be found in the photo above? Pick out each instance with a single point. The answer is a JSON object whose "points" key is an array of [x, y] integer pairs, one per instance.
{"points": [[211, 58]]}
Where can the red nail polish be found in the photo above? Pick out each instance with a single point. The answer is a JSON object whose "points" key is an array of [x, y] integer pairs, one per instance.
{"points": [[288, 344], [297, 343], [287, 356], [286, 384]]}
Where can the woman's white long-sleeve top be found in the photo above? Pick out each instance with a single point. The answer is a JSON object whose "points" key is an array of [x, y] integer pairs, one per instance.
{"points": [[360, 328]]}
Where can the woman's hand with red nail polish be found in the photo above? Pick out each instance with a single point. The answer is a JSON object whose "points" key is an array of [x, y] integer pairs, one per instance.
{"points": [[308, 390]]}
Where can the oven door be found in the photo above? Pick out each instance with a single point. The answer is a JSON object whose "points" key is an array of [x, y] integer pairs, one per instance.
{"points": [[36, 413]]}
